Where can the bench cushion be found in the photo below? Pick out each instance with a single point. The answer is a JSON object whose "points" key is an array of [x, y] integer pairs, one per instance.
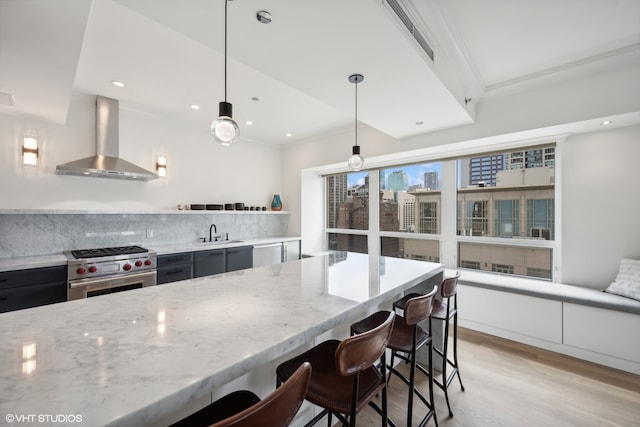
{"points": [[627, 282]]}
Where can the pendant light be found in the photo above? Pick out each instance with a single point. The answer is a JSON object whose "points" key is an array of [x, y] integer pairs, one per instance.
{"points": [[356, 161], [224, 129]]}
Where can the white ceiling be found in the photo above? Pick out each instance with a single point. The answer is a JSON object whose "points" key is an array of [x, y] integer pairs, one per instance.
{"points": [[170, 55]]}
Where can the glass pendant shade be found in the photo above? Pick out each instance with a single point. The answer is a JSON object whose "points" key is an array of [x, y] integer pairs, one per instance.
{"points": [[356, 161], [224, 129]]}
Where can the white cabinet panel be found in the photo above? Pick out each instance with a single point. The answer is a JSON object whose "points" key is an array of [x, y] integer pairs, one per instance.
{"points": [[603, 331], [290, 250], [535, 317], [268, 254]]}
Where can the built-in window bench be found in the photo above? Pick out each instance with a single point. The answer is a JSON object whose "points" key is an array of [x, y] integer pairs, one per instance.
{"points": [[581, 322]]}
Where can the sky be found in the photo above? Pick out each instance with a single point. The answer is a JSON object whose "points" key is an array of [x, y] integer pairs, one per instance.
{"points": [[415, 172]]}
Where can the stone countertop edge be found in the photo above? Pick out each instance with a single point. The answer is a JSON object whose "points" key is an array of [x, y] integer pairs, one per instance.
{"points": [[53, 260], [203, 246]]}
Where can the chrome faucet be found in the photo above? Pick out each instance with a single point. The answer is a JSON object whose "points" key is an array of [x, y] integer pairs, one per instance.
{"points": [[215, 229]]}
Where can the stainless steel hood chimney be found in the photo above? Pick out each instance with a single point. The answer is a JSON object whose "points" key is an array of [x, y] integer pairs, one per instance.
{"points": [[106, 163]]}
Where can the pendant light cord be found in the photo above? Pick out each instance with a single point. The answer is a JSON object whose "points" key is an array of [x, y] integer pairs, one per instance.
{"points": [[356, 120], [225, 49]]}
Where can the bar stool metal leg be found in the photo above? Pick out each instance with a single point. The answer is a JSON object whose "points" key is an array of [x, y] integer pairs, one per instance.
{"points": [[447, 311]]}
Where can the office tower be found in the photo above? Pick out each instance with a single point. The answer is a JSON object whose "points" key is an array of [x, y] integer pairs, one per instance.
{"points": [[431, 180], [398, 181], [337, 192], [484, 169]]}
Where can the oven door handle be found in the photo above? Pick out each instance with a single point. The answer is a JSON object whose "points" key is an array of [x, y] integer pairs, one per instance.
{"points": [[121, 279]]}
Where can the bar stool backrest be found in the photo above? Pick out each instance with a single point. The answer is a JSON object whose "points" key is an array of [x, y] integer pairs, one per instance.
{"points": [[359, 352], [450, 286], [279, 407], [419, 308]]}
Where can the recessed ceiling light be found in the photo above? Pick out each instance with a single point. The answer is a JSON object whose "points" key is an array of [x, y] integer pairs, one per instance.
{"points": [[419, 122], [288, 134], [195, 107], [606, 123], [249, 122], [117, 83]]}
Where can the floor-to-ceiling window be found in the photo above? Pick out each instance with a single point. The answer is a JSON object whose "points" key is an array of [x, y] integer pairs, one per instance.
{"points": [[501, 216]]}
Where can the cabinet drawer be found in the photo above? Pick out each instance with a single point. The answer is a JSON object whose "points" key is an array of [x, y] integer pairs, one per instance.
{"points": [[33, 276], [175, 273], [32, 296], [175, 259]]}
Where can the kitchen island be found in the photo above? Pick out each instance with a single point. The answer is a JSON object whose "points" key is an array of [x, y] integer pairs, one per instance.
{"points": [[140, 357]]}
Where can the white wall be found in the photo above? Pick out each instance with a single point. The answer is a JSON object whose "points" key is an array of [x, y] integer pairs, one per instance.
{"points": [[600, 202], [199, 170]]}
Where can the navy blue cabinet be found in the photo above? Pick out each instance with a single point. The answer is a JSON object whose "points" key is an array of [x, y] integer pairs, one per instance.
{"points": [[174, 267], [209, 262], [239, 258], [187, 265], [32, 287]]}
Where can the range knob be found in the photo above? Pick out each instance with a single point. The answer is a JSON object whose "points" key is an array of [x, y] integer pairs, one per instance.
{"points": [[93, 269], [81, 270], [147, 262], [138, 263], [126, 267]]}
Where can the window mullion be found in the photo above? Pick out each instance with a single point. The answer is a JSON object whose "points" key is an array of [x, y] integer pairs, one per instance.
{"points": [[373, 238], [448, 214]]}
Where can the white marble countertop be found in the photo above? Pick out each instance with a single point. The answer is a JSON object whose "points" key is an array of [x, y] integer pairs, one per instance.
{"points": [[203, 246], [133, 358], [22, 263], [37, 261]]}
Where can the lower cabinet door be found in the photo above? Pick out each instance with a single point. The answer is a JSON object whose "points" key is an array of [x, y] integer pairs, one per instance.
{"points": [[239, 258], [32, 296], [209, 262]]}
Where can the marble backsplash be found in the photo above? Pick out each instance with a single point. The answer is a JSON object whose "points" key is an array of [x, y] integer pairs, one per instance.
{"points": [[31, 234]]}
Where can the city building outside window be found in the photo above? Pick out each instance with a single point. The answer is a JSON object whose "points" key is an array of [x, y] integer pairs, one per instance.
{"points": [[504, 219], [347, 208], [516, 202], [410, 198]]}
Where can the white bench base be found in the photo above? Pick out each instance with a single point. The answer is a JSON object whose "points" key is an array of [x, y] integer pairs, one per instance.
{"points": [[579, 322]]}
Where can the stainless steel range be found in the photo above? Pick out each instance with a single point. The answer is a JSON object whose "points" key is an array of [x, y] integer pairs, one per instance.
{"points": [[93, 272]]}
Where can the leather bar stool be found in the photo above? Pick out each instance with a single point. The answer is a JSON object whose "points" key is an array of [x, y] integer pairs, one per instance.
{"points": [[244, 409], [446, 310], [345, 377], [407, 337]]}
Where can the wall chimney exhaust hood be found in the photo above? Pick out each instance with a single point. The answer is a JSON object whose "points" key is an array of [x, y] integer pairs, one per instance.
{"points": [[106, 163]]}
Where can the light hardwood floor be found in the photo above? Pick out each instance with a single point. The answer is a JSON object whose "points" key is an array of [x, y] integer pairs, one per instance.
{"points": [[511, 384]]}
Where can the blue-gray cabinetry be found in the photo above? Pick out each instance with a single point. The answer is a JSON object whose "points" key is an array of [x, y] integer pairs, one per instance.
{"points": [[174, 267], [239, 258], [32, 287], [209, 262]]}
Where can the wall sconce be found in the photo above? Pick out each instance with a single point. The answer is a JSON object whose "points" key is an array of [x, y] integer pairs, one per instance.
{"points": [[161, 166], [30, 151]]}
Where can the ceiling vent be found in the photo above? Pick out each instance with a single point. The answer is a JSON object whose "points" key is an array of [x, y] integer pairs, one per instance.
{"points": [[404, 18]]}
